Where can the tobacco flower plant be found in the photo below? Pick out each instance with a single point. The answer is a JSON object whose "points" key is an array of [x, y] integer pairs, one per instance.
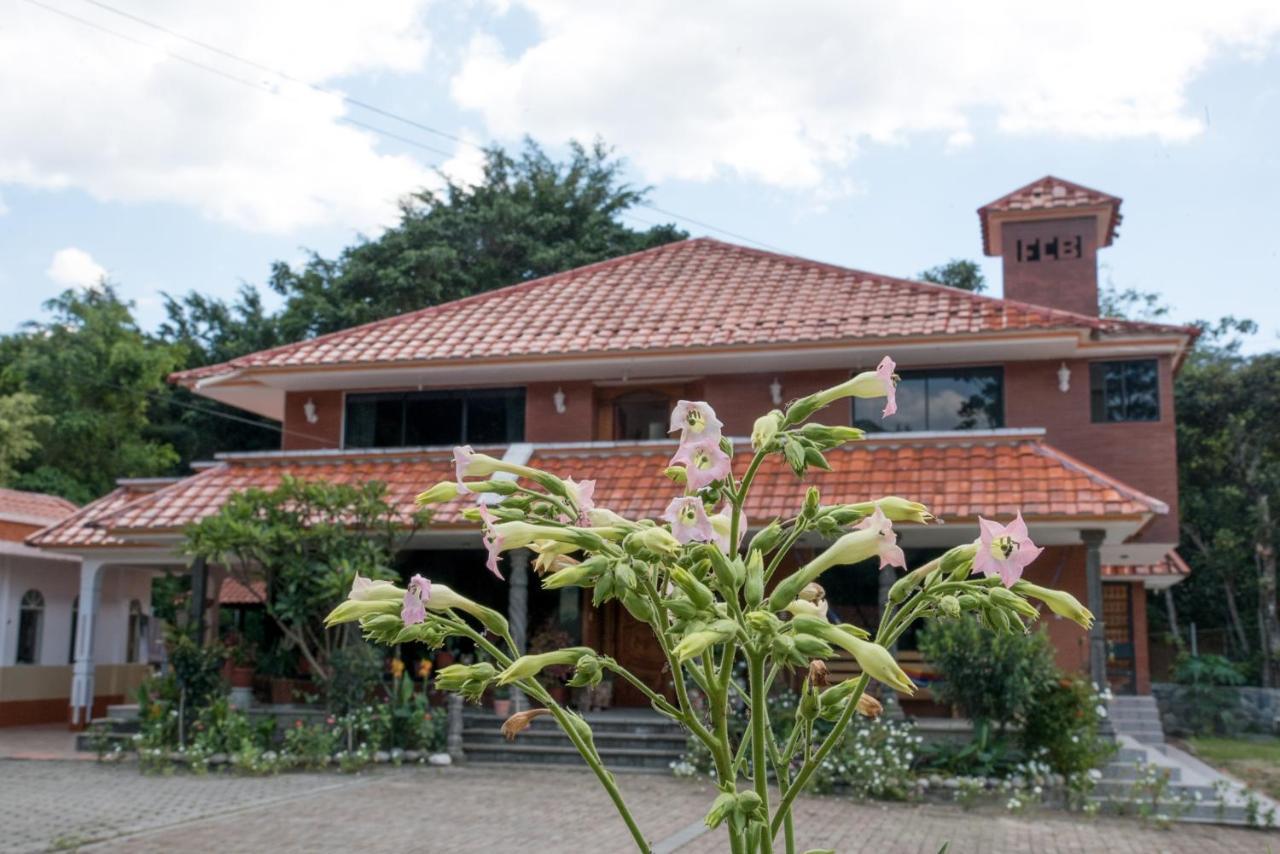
{"points": [[711, 603]]}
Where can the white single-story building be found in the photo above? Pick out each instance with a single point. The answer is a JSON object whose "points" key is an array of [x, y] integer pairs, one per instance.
{"points": [[39, 619]]}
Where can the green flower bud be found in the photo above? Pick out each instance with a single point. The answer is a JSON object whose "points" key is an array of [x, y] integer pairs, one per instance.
{"points": [[764, 430], [767, 538], [527, 666], [445, 490], [763, 622], [813, 647], [1060, 602], [676, 474], [897, 509], [699, 594], [876, 661], [588, 671], [469, 680], [696, 643], [580, 575], [724, 804], [1013, 602], [681, 607], [957, 564], [812, 501], [949, 605], [654, 540], [753, 589], [637, 606], [807, 710]]}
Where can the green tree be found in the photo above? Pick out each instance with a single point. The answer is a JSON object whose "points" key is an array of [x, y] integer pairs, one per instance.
{"points": [[306, 541], [96, 376], [20, 417], [957, 273], [529, 216]]}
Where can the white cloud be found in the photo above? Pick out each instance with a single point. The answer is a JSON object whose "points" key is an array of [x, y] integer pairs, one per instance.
{"points": [[130, 124], [784, 93], [75, 268]]}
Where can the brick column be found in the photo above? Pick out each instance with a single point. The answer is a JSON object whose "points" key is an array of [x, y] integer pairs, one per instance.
{"points": [[1092, 540]]}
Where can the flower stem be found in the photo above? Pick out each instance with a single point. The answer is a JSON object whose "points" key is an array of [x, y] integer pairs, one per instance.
{"points": [[588, 754], [759, 725]]}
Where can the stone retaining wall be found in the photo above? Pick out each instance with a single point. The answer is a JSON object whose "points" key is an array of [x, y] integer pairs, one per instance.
{"points": [[1255, 709]]}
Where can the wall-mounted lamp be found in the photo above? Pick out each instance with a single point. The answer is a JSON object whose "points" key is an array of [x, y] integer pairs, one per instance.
{"points": [[558, 400], [1064, 378], [775, 392], [309, 411]]}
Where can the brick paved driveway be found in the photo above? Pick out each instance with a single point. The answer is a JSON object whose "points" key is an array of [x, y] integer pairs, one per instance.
{"points": [[70, 805]]}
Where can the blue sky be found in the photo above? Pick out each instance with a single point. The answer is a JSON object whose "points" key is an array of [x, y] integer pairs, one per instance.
{"points": [[863, 134]]}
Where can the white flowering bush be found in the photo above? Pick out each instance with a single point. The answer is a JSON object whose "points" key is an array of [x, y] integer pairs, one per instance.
{"points": [[874, 760], [712, 598]]}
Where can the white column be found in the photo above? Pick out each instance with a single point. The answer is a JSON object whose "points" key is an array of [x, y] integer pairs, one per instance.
{"points": [[1093, 587], [82, 672]]}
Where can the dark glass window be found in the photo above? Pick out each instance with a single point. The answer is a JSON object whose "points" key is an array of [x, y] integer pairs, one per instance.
{"points": [[944, 399], [30, 627], [641, 415], [413, 418], [1125, 391]]}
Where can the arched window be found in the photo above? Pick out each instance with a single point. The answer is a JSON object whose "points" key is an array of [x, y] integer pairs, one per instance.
{"points": [[75, 618], [30, 627]]}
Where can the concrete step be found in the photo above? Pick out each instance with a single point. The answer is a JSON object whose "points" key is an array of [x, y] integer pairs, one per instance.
{"points": [[600, 723], [1204, 812], [619, 758], [123, 712], [673, 745], [1129, 771]]}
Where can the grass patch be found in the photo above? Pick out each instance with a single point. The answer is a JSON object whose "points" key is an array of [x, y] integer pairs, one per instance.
{"points": [[1255, 760]]}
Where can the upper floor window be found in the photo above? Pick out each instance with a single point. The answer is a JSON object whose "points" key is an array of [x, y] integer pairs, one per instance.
{"points": [[30, 627], [1125, 391], [942, 399], [413, 418], [641, 415]]}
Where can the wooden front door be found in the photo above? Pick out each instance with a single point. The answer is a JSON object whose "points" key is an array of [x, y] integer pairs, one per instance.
{"points": [[633, 645], [1117, 615]]}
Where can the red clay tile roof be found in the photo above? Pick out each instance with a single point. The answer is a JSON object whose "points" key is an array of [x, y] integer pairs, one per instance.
{"points": [[1172, 566], [79, 529], [1050, 193], [232, 592], [646, 302], [958, 478], [33, 508]]}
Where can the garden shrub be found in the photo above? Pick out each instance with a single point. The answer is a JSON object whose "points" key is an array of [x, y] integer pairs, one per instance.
{"points": [[1200, 705], [991, 677], [1062, 724]]}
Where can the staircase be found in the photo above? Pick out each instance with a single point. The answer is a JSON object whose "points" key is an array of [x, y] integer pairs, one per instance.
{"points": [[1136, 716], [626, 739], [118, 727], [1191, 791]]}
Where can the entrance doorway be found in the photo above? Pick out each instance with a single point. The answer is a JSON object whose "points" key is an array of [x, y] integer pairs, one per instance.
{"points": [[1117, 614], [633, 645]]}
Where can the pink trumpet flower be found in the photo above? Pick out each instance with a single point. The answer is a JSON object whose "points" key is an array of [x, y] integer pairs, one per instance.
{"points": [[888, 549], [492, 540], [689, 521], [696, 420], [704, 461], [415, 601], [1004, 550]]}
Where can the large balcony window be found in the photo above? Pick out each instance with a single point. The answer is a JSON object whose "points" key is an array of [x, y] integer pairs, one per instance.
{"points": [[413, 418], [943, 399]]}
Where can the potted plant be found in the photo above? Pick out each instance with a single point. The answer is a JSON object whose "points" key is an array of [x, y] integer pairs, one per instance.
{"points": [[240, 659], [502, 701]]}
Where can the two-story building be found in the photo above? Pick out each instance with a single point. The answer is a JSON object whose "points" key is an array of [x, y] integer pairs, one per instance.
{"points": [[1031, 402]]}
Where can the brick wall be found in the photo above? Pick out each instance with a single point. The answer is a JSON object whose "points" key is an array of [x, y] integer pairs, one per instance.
{"points": [[1069, 281], [739, 399], [1141, 454], [16, 532], [543, 424], [299, 435], [1062, 568]]}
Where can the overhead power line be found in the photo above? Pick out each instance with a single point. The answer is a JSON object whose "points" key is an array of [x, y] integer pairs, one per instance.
{"points": [[354, 102]]}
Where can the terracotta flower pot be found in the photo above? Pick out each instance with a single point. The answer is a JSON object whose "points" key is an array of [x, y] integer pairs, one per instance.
{"points": [[240, 677], [502, 707]]}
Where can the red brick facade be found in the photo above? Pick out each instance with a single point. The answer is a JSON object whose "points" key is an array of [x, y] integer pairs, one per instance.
{"points": [[1052, 262], [1141, 454]]}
